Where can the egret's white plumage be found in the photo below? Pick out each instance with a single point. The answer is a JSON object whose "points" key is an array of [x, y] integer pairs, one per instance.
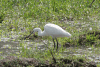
{"points": [[52, 30]]}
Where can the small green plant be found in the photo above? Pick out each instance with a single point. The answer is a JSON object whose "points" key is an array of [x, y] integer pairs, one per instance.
{"points": [[90, 39]]}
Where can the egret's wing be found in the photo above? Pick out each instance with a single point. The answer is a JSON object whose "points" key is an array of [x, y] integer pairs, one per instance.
{"points": [[54, 30]]}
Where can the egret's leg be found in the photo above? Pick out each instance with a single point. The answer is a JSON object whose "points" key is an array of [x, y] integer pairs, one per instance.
{"points": [[57, 42], [54, 42]]}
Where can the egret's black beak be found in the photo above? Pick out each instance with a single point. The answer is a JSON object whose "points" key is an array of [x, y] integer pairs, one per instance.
{"points": [[29, 35], [32, 33]]}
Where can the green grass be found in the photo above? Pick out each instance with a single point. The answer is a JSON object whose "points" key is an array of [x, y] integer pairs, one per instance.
{"points": [[51, 9]]}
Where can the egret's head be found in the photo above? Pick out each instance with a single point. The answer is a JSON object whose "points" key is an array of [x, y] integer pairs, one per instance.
{"points": [[36, 30]]}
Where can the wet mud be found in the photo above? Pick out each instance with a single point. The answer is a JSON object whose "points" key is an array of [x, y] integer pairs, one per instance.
{"points": [[11, 61]]}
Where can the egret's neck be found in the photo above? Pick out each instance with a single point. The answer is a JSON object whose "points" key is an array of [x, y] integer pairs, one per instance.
{"points": [[40, 33]]}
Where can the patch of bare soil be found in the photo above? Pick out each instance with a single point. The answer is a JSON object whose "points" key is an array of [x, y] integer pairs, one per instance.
{"points": [[11, 61]]}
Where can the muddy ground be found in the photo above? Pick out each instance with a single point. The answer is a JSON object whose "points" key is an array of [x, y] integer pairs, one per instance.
{"points": [[12, 61]]}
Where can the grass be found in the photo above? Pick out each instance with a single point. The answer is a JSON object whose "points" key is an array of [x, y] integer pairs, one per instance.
{"points": [[21, 16], [50, 10], [47, 10]]}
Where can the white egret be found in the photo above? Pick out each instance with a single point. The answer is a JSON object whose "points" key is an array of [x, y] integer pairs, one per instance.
{"points": [[52, 30]]}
